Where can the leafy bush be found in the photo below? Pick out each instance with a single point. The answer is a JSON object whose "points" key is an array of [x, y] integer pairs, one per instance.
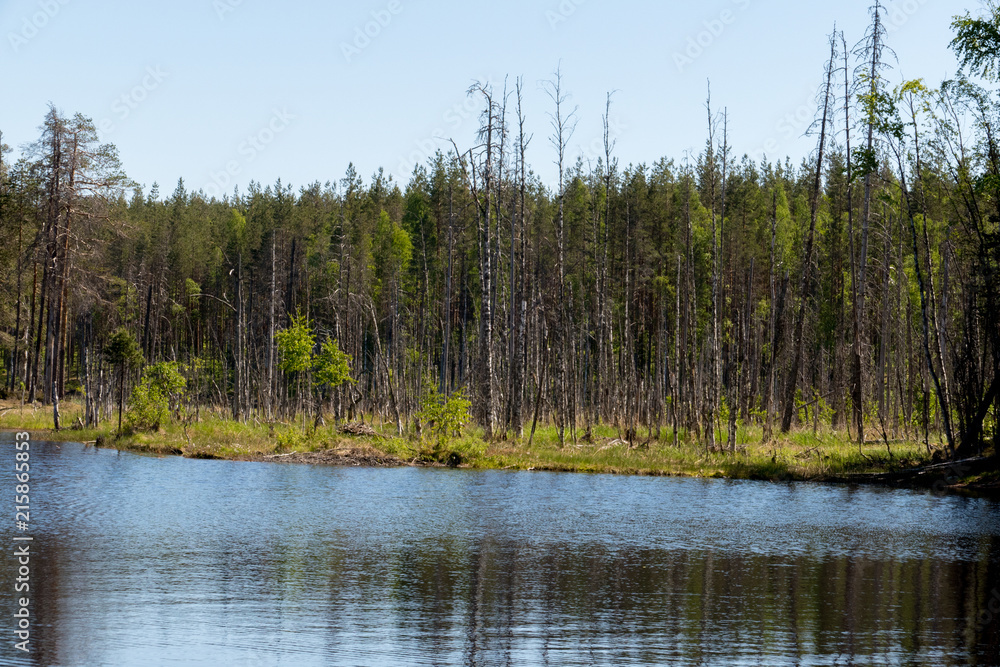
{"points": [[160, 391], [148, 408], [167, 378], [444, 419], [295, 345], [288, 440], [122, 348], [332, 365]]}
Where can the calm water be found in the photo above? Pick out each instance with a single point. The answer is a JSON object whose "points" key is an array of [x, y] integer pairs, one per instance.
{"points": [[147, 561]]}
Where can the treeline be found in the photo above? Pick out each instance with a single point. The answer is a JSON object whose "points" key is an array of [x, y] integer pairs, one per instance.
{"points": [[679, 299]]}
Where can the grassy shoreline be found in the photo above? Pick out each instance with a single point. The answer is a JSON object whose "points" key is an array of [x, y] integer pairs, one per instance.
{"points": [[803, 455]]}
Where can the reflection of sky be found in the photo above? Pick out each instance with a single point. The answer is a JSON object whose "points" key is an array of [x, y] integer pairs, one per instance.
{"points": [[147, 560]]}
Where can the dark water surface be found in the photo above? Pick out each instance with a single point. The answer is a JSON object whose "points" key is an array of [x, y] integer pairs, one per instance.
{"points": [[150, 561]]}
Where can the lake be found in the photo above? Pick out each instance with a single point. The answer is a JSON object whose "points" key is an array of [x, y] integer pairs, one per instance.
{"points": [[167, 561]]}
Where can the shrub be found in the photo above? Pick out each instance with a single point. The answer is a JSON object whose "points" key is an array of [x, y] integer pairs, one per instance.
{"points": [[160, 391], [295, 345], [444, 419], [332, 365]]}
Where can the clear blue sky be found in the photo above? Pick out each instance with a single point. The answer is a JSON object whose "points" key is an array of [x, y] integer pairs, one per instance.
{"points": [[225, 91]]}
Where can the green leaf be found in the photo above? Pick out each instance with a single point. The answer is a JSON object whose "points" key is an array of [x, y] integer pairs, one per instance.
{"points": [[332, 365], [295, 345]]}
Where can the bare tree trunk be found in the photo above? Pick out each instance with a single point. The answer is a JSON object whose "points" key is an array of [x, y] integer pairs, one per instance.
{"points": [[270, 328], [443, 385], [874, 52], [388, 374], [49, 286], [805, 293], [237, 400], [769, 387], [484, 208], [146, 339], [20, 257], [563, 127], [731, 391], [676, 389], [924, 305], [34, 330], [712, 402], [518, 302]]}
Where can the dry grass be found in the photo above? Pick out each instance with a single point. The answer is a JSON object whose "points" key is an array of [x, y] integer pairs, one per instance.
{"points": [[801, 455]]}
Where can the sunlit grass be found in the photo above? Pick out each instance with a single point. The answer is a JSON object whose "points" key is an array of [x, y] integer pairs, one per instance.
{"points": [[801, 454], [14, 416]]}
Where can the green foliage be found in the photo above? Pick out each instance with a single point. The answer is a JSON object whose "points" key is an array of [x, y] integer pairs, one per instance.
{"points": [[391, 253], [122, 348], [191, 288], [723, 410], [237, 228], [784, 228], [147, 408], [397, 270], [161, 389], [295, 345], [166, 377], [977, 43], [813, 409], [419, 222], [444, 418], [205, 371], [290, 439], [332, 365], [879, 109], [864, 162], [124, 296]]}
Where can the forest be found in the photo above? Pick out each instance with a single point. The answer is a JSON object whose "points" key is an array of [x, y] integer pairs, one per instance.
{"points": [[678, 300]]}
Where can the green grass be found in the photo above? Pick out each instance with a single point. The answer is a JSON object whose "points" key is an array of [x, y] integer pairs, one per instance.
{"points": [[14, 416], [214, 435], [800, 455]]}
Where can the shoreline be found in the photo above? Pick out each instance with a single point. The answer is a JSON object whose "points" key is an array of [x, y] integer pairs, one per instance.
{"points": [[971, 477]]}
